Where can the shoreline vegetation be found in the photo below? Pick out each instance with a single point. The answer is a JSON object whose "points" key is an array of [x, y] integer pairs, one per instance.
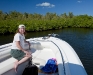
{"points": [[38, 22]]}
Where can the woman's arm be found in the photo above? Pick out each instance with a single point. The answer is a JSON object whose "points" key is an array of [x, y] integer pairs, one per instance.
{"points": [[19, 46]]}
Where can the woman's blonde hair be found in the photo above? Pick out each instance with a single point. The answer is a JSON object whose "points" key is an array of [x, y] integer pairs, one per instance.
{"points": [[17, 31]]}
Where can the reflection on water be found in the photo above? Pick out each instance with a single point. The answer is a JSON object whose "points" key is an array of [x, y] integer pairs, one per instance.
{"points": [[80, 39]]}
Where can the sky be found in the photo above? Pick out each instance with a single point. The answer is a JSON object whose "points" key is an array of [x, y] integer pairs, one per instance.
{"points": [[77, 7]]}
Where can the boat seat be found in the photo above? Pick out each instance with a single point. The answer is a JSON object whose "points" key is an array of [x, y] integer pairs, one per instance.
{"points": [[7, 65], [39, 62], [46, 54], [40, 57], [36, 46]]}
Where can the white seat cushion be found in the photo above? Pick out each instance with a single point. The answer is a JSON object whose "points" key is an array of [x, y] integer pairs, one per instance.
{"points": [[7, 65]]}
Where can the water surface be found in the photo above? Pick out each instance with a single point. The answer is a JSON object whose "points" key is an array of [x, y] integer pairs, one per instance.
{"points": [[81, 39]]}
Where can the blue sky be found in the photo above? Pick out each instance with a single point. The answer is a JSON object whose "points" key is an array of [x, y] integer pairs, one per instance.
{"points": [[77, 7]]}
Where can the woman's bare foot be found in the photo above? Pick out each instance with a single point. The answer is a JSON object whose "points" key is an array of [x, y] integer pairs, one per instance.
{"points": [[15, 66]]}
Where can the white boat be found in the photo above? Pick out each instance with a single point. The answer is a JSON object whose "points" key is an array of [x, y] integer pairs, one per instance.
{"points": [[44, 48]]}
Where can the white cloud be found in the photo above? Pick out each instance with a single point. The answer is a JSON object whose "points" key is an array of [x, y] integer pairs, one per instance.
{"points": [[46, 4], [79, 1]]}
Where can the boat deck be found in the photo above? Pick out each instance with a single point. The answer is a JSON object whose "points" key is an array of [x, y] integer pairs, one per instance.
{"points": [[39, 57]]}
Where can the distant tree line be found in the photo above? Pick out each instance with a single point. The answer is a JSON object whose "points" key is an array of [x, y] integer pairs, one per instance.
{"points": [[38, 22]]}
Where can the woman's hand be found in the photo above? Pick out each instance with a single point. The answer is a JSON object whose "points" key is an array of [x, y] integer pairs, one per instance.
{"points": [[27, 53]]}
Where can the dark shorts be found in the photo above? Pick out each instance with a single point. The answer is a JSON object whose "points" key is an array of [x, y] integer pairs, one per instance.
{"points": [[17, 54]]}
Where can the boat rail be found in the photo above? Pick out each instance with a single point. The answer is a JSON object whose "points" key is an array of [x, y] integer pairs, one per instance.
{"points": [[61, 56], [5, 46]]}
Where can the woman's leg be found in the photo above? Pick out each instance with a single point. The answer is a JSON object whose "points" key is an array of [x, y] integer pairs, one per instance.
{"points": [[15, 65], [24, 59], [21, 61]]}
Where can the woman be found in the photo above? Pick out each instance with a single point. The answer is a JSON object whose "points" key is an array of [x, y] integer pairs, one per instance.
{"points": [[18, 51]]}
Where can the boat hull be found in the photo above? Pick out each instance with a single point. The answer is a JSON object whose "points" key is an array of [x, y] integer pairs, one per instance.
{"points": [[44, 49]]}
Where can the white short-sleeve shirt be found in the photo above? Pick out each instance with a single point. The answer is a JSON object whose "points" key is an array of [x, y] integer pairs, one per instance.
{"points": [[18, 37]]}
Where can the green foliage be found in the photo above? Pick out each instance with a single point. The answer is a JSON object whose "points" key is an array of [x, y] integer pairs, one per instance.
{"points": [[37, 22]]}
